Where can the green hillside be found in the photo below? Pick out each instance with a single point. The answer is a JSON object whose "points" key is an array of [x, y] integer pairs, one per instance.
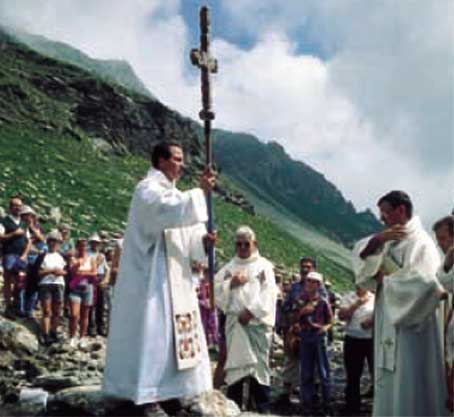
{"points": [[72, 140], [93, 191]]}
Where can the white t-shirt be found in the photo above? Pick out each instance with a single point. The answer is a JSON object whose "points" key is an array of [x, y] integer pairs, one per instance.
{"points": [[353, 327], [52, 261]]}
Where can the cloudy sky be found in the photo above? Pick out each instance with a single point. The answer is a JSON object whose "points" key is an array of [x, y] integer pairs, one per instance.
{"points": [[360, 90]]}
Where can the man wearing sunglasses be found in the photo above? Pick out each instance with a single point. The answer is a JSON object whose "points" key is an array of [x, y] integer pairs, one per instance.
{"points": [[246, 292]]}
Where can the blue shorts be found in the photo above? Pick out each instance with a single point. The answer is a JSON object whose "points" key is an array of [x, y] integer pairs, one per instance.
{"points": [[13, 263], [82, 295]]}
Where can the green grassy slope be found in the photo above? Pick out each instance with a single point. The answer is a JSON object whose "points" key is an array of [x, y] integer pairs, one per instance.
{"points": [[93, 191], [284, 219]]}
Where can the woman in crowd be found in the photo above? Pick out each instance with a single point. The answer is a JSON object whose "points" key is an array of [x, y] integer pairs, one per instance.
{"points": [[82, 275], [51, 287]]}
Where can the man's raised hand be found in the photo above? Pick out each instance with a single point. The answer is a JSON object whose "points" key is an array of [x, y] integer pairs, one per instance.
{"points": [[245, 317], [239, 279], [208, 180], [393, 233]]}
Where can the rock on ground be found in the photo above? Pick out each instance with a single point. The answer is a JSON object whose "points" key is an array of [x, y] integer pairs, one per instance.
{"points": [[73, 376]]}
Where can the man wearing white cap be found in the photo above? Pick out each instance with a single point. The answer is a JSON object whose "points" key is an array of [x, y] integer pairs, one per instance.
{"points": [[315, 319]]}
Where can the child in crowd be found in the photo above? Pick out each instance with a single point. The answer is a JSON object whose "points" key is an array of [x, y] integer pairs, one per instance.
{"points": [[315, 319]]}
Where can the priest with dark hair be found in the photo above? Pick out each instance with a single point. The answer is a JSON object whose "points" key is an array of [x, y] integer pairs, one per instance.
{"points": [[400, 264], [156, 350]]}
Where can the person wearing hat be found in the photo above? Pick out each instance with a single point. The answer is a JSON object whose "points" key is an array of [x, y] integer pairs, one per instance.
{"points": [[291, 369], [97, 323], [67, 246], [51, 271], [29, 295], [15, 248], [315, 319]]}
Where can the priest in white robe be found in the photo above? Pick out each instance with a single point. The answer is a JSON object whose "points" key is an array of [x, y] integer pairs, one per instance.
{"points": [[444, 232], [156, 348], [400, 265], [246, 291]]}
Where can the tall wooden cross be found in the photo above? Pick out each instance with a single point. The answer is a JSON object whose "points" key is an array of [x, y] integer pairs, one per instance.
{"points": [[202, 59]]}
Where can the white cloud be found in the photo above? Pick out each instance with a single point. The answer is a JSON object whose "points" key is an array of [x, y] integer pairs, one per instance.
{"points": [[391, 62], [275, 93], [376, 116]]}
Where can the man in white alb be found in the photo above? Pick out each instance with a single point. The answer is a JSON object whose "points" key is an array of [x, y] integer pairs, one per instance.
{"points": [[400, 265], [246, 291], [156, 349]]}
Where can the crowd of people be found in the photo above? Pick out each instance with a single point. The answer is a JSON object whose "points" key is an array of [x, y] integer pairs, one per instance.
{"points": [[391, 319], [51, 275]]}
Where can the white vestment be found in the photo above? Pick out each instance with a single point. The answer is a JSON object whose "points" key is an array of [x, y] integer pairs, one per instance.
{"points": [[248, 347], [447, 280], [408, 354], [164, 232]]}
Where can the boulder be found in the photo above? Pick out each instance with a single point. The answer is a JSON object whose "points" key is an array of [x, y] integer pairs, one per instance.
{"points": [[55, 382], [213, 404], [17, 338], [87, 400]]}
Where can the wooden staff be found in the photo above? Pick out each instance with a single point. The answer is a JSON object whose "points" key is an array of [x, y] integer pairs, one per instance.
{"points": [[202, 59]]}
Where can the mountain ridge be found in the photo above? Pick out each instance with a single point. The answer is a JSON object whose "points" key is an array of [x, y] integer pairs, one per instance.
{"points": [[293, 184], [117, 70]]}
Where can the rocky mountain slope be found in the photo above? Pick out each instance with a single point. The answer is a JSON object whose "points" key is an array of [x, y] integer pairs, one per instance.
{"points": [[267, 172], [56, 96], [109, 69]]}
